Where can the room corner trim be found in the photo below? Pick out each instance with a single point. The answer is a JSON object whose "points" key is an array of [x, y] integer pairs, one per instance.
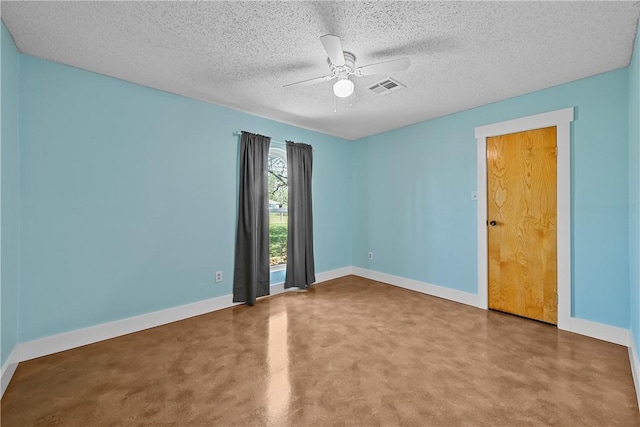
{"points": [[612, 334], [422, 287], [635, 366], [8, 369]]}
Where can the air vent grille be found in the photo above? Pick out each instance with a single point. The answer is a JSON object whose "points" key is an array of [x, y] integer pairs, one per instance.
{"points": [[386, 86]]}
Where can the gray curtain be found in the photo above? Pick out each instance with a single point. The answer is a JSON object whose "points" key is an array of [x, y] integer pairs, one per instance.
{"points": [[251, 275], [300, 263]]}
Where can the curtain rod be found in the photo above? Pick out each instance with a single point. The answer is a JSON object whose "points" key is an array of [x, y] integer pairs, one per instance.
{"points": [[239, 132]]}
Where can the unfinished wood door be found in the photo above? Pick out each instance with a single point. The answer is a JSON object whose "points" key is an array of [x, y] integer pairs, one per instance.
{"points": [[521, 199]]}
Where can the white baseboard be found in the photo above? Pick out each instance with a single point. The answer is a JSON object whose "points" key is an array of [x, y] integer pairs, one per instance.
{"points": [[68, 340], [425, 288], [600, 331], [79, 337], [591, 329], [8, 369], [635, 366], [333, 274], [325, 276]]}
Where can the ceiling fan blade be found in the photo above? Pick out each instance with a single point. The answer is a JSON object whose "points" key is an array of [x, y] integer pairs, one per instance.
{"points": [[334, 49], [383, 67], [310, 81]]}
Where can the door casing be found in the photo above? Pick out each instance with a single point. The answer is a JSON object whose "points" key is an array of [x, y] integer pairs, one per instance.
{"points": [[561, 119]]}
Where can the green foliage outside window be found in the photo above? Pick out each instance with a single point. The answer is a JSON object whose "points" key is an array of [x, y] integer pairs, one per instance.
{"points": [[278, 243], [278, 193]]}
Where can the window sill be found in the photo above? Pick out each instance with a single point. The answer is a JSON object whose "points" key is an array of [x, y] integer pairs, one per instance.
{"points": [[278, 267], [277, 274]]}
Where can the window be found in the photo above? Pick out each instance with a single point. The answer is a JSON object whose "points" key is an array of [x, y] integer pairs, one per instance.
{"points": [[278, 218]]}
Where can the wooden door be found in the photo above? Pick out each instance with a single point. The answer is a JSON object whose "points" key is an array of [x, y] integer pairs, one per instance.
{"points": [[521, 199]]}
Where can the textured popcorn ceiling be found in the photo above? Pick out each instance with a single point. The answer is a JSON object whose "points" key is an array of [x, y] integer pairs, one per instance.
{"points": [[240, 54]]}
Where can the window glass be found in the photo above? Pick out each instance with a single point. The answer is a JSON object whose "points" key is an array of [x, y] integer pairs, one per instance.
{"points": [[278, 195]]}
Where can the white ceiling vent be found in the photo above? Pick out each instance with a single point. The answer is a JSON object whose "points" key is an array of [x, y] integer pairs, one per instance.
{"points": [[386, 86]]}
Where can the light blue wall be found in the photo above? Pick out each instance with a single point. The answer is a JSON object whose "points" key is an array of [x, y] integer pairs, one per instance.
{"points": [[634, 191], [10, 197], [129, 197], [412, 195]]}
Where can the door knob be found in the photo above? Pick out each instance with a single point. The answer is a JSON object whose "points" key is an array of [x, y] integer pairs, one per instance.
{"points": [[493, 223]]}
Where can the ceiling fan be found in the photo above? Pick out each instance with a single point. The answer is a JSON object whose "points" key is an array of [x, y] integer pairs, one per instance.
{"points": [[342, 66]]}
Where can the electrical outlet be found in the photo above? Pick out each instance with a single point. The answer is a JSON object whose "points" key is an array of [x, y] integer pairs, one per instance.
{"points": [[370, 255], [218, 276]]}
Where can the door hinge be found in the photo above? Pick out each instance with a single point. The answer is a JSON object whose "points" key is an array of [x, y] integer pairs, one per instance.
{"points": [[556, 151], [557, 299]]}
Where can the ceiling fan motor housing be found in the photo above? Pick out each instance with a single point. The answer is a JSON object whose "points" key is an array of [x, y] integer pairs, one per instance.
{"points": [[346, 69]]}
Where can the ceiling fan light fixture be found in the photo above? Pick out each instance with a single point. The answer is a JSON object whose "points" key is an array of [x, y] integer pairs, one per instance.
{"points": [[343, 88]]}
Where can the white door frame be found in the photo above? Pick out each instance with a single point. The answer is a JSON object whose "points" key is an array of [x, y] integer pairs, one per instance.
{"points": [[562, 120]]}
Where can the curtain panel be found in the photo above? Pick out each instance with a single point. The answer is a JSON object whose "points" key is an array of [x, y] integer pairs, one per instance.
{"points": [[300, 259], [251, 273]]}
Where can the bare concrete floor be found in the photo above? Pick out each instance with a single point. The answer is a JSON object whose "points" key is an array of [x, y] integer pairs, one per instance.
{"points": [[347, 352]]}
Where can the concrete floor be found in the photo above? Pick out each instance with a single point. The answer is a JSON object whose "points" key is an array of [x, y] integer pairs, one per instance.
{"points": [[347, 352]]}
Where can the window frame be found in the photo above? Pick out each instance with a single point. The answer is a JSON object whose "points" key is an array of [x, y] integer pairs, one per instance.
{"points": [[281, 153]]}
